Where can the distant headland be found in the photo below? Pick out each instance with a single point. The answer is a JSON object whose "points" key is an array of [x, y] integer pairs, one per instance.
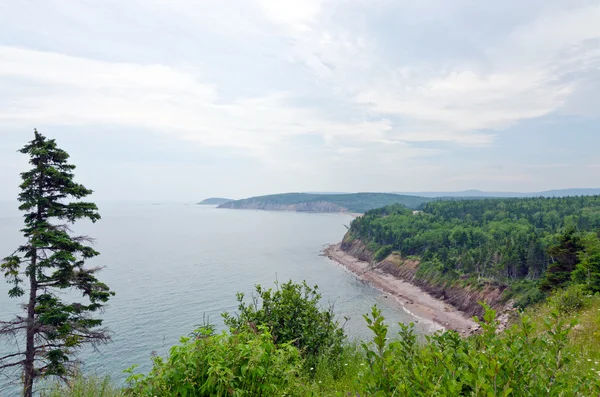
{"points": [[214, 201], [315, 202], [362, 202]]}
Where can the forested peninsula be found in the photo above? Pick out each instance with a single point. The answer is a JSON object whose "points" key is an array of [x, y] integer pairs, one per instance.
{"points": [[315, 202], [362, 202], [506, 252]]}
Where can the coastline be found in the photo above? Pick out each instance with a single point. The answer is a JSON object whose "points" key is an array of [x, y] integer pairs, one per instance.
{"points": [[411, 297]]}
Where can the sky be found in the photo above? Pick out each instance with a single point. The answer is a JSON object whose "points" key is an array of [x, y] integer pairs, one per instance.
{"points": [[181, 100]]}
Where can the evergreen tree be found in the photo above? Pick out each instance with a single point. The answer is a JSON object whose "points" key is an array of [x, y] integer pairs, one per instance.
{"points": [[588, 269], [565, 257], [52, 260]]}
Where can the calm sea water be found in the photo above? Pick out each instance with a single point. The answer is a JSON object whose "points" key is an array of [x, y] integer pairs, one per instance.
{"points": [[172, 265]]}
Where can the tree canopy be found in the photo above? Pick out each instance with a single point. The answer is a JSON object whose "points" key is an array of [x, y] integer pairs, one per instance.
{"points": [[52, 259], [499, 239]]}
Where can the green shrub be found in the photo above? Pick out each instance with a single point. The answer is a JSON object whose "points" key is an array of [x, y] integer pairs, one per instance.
{"points": [[292, 314], [524, 293], [382, 253], [80, 386], [245, 363], [519, 362], [372, 246], [541, 355], [569, 300]]}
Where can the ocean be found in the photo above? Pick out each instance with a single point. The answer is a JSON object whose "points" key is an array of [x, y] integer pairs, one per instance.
{"points": [[174, 266]]}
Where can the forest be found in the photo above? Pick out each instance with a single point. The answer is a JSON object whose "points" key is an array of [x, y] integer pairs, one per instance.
{"points": [[553, 241]]}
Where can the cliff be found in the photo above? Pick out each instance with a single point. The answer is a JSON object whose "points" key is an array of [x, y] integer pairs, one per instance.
{"points": [[465, 298], [313, 206], [314, 202]]}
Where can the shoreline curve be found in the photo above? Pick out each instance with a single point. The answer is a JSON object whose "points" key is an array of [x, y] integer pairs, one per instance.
{"points": [[412, 298]]}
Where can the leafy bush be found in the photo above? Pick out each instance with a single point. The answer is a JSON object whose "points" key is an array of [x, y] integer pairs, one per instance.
{"points": [[542, 355], [524, 293], [80, 386], [569, 300], [383, 252], [519, 362], [292, 314], [372, 246], [245, 363]]}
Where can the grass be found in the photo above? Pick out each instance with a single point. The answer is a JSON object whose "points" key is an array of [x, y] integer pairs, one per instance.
{"points": [[584, 340], [90, 386]]}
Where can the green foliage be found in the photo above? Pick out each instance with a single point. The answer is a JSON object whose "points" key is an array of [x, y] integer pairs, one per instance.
{"points": [[520, 362], [80, 386], [292, 314], [245, 363], [587, 271], [553, 240], [383, 252], [50, 261], [544, 353], [524, 293], [353, 202], [569, 300], [565, 257]]}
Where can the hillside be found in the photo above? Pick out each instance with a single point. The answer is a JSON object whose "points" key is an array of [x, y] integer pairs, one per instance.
{"points": [[214, 201], [498, 194], [511, 248], [310, 202]]}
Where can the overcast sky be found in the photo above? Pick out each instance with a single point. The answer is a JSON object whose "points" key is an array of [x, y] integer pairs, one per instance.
{"points": [[181, 100]]}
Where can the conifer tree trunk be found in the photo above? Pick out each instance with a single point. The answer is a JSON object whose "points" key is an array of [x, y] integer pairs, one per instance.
{"points": [[28, 365]]}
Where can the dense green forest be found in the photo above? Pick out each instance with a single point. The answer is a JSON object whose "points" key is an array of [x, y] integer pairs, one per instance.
{"points": [[553, 240], [351, 202]]}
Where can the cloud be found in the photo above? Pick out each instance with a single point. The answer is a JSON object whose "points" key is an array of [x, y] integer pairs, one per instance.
{"points": [[518, 76], [464, 101], [313, 92], [294, 14], [83, 91]]}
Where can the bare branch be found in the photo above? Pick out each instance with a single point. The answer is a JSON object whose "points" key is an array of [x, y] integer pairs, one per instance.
{"points": [[84, 239], [12, 355], [12, 327], [3, 366]]}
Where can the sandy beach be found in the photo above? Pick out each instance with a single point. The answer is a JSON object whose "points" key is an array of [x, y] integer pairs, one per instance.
{"points": [[414, 299]]}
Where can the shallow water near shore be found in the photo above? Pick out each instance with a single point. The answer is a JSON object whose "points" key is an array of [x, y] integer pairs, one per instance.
{"points": [[173, 265]]}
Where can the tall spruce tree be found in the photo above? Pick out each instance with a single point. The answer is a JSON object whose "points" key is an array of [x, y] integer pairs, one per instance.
{"points": [[52, 260], [565, 258]]}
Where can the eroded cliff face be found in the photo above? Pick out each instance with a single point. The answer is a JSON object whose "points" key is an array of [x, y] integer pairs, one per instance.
{"points": [[314, 206], [464, 298], [357, 249]]}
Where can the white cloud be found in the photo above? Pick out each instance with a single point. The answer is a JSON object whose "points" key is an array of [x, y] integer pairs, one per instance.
{"points": [[520, 77], [320, 91], [157, 97], [295, 14]]}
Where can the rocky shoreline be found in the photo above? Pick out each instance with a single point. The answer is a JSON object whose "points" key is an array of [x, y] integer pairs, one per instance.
{"points": [[414, 299]]}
